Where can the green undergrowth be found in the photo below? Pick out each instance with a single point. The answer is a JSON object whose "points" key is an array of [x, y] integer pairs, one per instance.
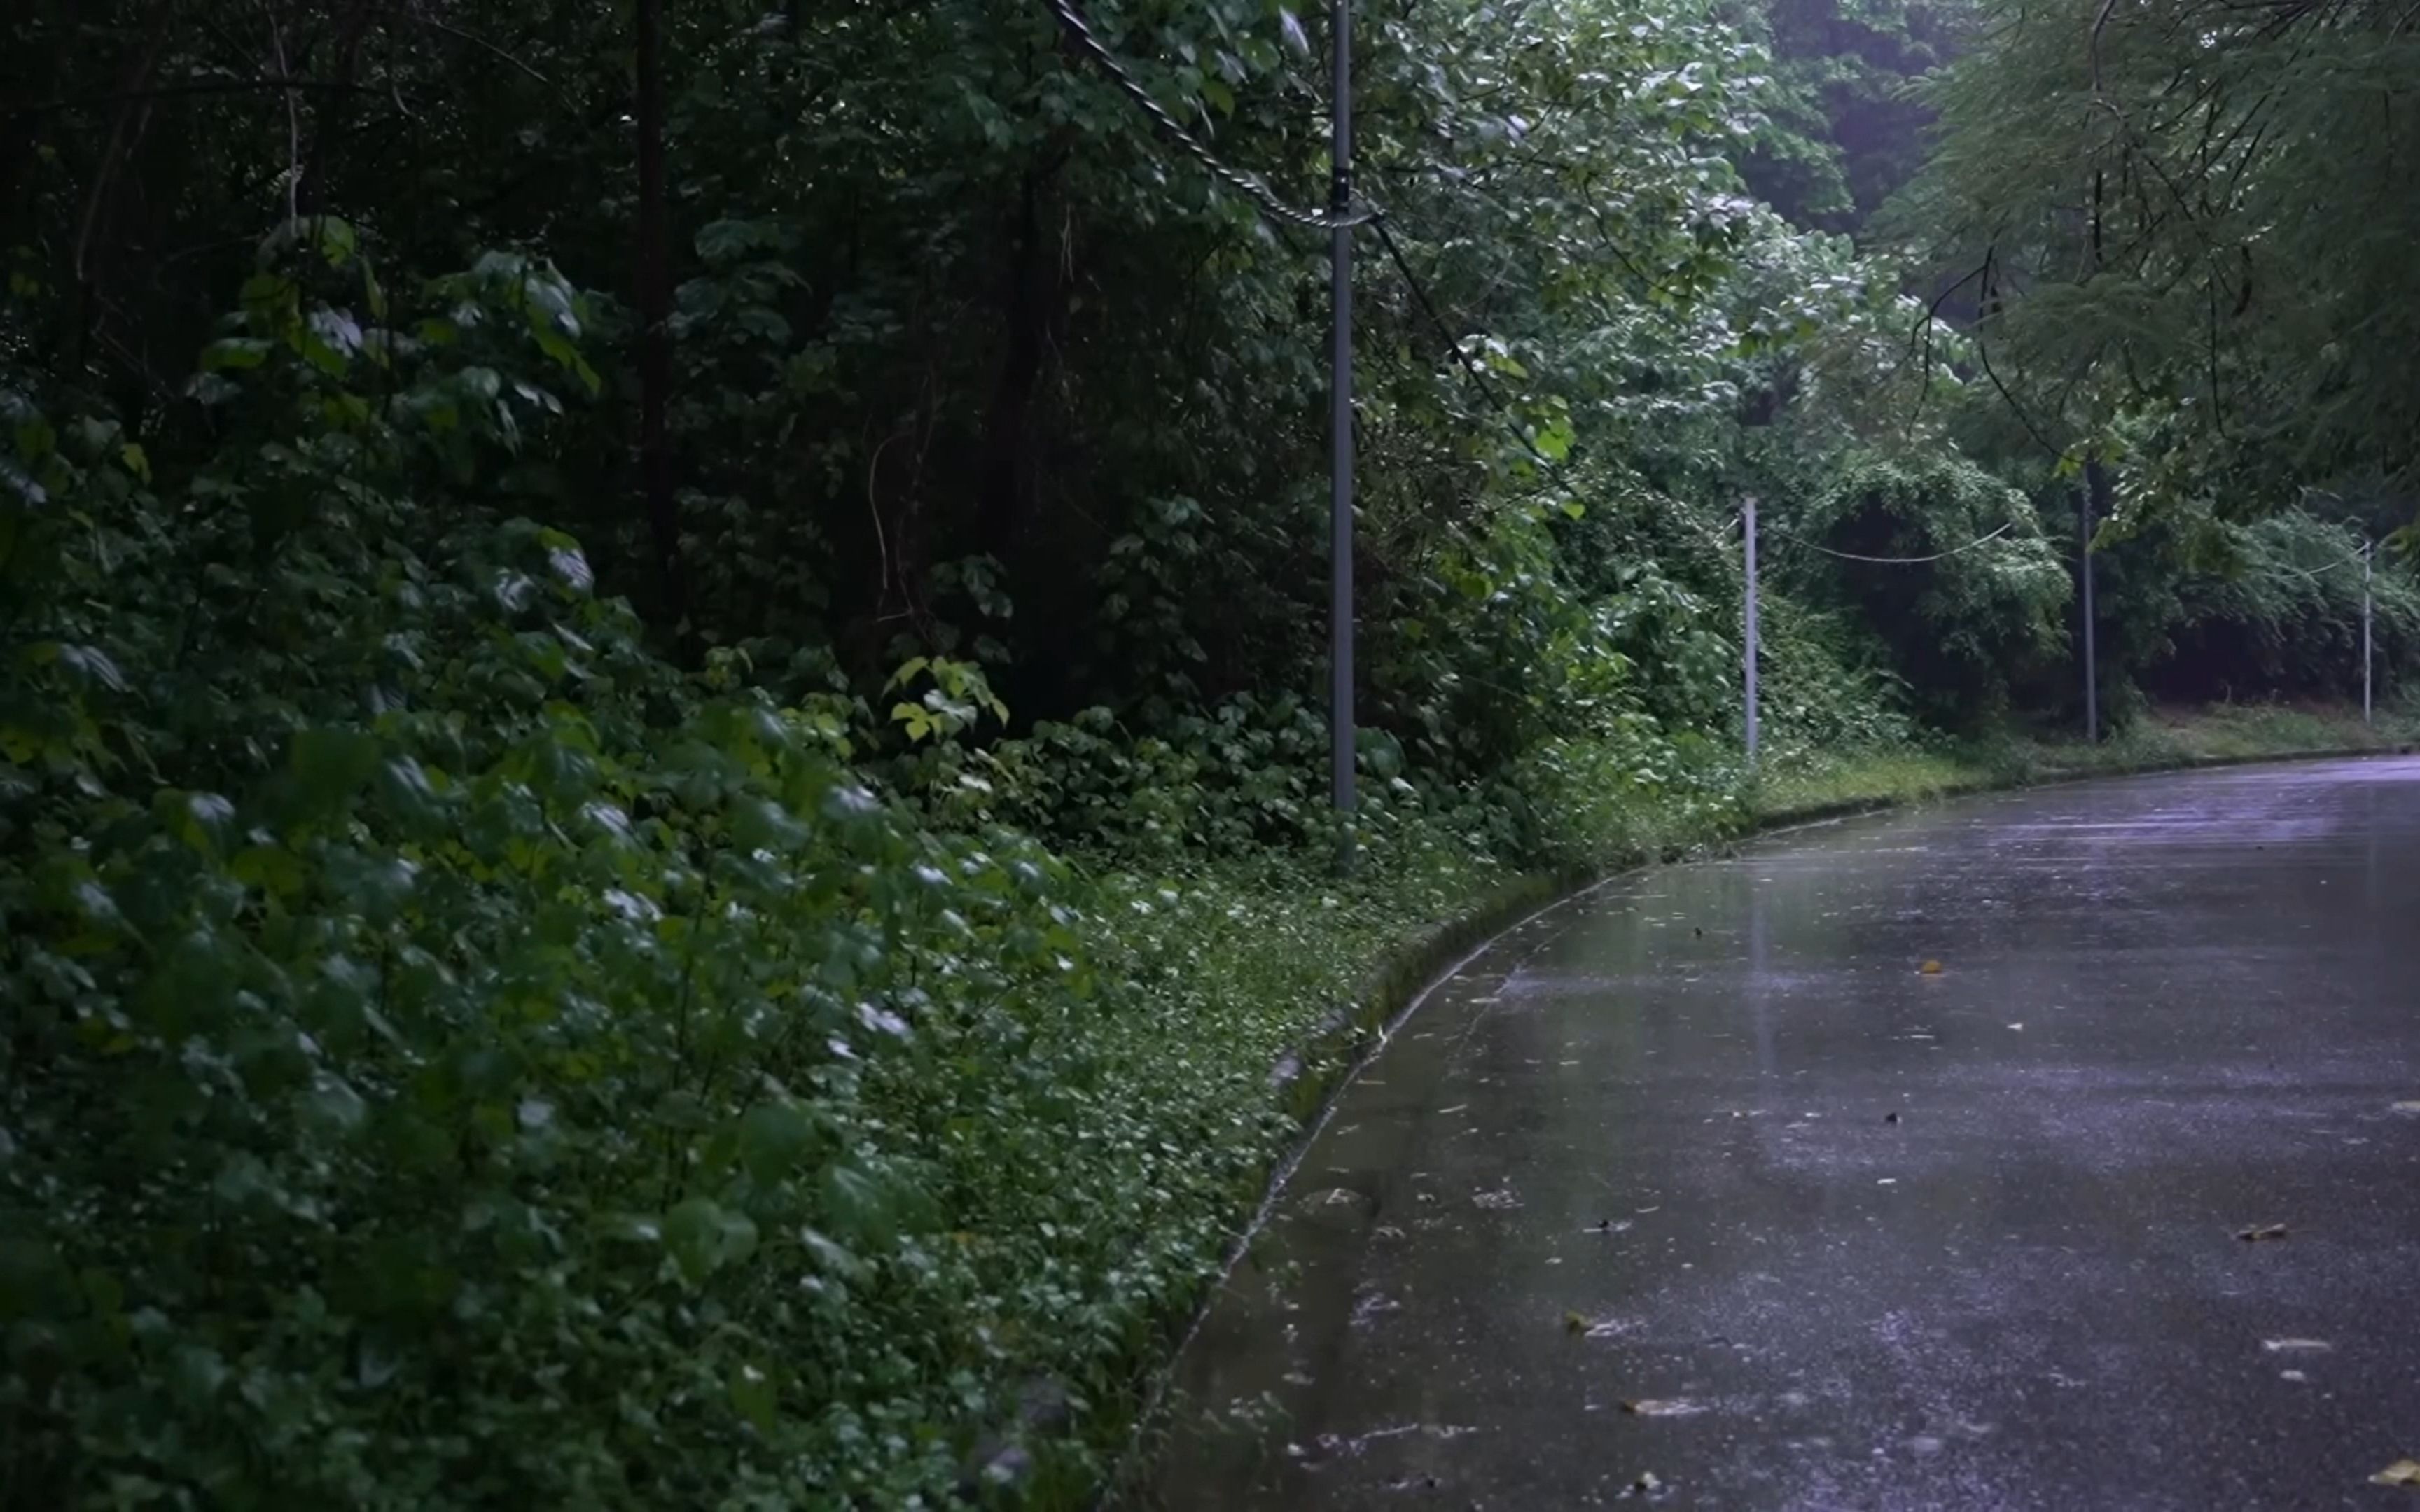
{"points": [[2231, 732], [791, 1155], [1281, 965], [2160, 740], [457, 1056]]}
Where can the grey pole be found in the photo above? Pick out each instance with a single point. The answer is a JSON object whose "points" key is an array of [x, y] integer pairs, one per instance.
{"points": [[2091, 650], [1340, 519], [2368, 547], [1748, 654]]}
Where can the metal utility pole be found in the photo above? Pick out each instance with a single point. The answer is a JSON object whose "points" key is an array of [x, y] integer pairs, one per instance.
{"points": [[2094, 481], [1339, 383], [2368, 549], [1749, 654]]}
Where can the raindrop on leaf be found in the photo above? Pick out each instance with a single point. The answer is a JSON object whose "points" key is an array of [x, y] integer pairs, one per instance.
{"points": [[1662, 1407], [1293, 33]]}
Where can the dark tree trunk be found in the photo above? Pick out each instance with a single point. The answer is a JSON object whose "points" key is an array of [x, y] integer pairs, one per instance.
{"points": [[311, 197], [654, 293], [1036, 300], [92, 238]]}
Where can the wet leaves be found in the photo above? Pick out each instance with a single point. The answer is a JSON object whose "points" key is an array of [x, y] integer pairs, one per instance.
{"points": [[1595, 1327], [1931, 968], [2403, 1473], [2262, 1231]]}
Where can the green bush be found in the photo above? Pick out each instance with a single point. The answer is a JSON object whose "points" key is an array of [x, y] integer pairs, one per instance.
{"points": [[1964, 629], [452, 1058], [456, 1058]]}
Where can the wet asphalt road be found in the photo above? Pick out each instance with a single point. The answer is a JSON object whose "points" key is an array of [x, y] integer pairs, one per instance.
{"points": [[1640, 1151]]}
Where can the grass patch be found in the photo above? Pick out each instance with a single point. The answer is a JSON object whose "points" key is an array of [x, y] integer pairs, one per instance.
{"points": [[1880, 776], [1283, 966], [2165, 739]]}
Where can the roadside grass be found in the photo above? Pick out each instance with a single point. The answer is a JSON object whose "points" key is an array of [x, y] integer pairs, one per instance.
{"points": [[2163, 739], [1815, 785], [1274, 974]]}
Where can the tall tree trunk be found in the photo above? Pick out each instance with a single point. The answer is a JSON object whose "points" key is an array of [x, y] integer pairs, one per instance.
{"points": [[91, 234], [656, 333], [1035, 303], [311, 197]]}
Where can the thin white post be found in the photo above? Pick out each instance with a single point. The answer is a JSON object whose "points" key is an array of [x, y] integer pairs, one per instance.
{"points": [[2368, 547], [1749, 640], [2087, 508]]}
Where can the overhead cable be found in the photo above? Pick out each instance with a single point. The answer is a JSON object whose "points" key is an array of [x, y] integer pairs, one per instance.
{"points": [[1249, 185], [1896, 561]]}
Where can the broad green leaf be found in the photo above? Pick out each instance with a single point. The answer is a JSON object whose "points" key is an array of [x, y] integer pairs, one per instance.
{"points": [[704, 1237], [753, 1395], [234, 353]]}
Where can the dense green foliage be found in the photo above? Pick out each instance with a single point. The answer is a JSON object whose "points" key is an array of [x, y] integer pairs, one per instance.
{"points": [[735, 919], [2187, 227], [1845, 125]]}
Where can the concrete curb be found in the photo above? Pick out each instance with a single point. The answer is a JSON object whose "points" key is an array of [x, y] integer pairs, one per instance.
{"points": [[1408, 975], [1314, 1074]]}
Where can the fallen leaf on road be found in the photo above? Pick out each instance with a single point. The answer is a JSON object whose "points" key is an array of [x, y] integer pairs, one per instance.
{"points": [[2401, 1473], [1661, 1407], [1931, 968], [1574, 1324], [2281, 1345], [2263, 1231]]}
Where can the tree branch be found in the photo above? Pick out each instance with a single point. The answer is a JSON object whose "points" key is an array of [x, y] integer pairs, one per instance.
{"points": [[195, 87]]}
